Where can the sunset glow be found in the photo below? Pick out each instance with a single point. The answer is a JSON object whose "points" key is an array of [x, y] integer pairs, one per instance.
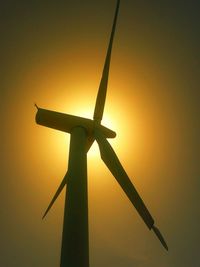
{"points": [[52, 55]]}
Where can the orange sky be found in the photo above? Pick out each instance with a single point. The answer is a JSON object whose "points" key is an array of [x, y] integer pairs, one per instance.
{"points": [[53, 55]]}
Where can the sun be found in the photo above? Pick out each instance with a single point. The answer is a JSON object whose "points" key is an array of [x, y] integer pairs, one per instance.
{"points": [[76, 102]]}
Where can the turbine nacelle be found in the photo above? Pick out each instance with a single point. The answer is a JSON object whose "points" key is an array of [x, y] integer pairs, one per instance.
{"points": [[66, 122]]}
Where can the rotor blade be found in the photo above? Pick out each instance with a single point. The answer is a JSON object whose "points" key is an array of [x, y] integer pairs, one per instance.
{"points": [[111, 160], [60, 188], [101, 97], [160, 237]]}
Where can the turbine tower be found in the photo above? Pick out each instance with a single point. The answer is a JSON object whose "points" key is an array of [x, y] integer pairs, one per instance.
{"points": [[83, 132]]}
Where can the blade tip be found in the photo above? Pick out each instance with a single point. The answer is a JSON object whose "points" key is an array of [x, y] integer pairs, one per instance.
{"points": [[44, 216], [160, 237]]}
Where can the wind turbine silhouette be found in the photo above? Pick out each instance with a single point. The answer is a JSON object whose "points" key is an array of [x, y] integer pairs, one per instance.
{"points": [[83, 132]]}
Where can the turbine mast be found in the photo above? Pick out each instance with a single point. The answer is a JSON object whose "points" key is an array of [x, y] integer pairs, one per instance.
{"points": [[101, 97]]}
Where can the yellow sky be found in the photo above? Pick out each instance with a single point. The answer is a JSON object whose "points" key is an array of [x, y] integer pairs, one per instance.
{"points": [[55, 60]]}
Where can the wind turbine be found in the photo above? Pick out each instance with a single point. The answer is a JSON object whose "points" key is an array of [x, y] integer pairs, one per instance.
{"points": [[83, 132]]}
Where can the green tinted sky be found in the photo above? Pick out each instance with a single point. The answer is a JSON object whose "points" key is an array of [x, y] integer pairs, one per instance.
{"points": [[52, 52]]}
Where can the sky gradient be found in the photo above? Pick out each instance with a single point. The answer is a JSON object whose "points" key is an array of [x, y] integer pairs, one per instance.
{"points": [[52, 53]]}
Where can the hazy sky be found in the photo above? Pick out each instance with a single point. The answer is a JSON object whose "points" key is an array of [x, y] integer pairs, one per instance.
{"points": [[52, 53]]}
